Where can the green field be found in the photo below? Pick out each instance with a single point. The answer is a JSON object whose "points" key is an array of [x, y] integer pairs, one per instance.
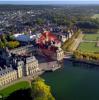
{"points": [[91, 36], [88, 47], [21, 85], [95, 16]]}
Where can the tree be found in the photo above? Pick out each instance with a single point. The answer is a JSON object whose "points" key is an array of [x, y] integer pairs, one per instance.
{"points": [[41, 91], [2, 44], [13, 44], [3, 39], [86, 56], [40, 21]]}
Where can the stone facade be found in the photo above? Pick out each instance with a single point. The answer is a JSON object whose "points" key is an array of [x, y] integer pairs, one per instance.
{"points": [[18, 66], [23, 50], [24, 68], [7, 75], [59, 54], [65, 36], [31, 66]]}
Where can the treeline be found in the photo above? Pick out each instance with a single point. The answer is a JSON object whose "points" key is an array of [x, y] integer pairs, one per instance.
{"points": [[86, 56], [66, 46], [88, 24], [63, 20]]}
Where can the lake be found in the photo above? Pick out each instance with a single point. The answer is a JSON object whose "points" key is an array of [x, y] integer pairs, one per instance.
{"points": [[74, 82]]}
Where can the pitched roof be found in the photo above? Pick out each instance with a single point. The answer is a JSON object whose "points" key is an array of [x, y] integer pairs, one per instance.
{"points": [[49, 36]]}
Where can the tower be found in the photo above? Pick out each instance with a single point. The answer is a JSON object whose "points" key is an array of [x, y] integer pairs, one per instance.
{"points": [[31, 66], [59, 54], [20, 68]]}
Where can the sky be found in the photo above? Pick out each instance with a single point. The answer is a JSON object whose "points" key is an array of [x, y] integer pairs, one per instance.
{"points": [[49, 1]]}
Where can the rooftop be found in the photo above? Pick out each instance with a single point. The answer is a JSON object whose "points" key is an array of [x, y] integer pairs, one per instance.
{"points": [[6, 70]]}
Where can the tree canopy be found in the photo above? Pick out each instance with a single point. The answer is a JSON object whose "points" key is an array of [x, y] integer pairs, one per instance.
{"points": [[13, 44], [41, 91]]}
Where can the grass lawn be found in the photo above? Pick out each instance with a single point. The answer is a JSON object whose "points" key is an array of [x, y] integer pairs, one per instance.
{"points": [[95, 16], [21, 85], [88, 47], [91, 36]]}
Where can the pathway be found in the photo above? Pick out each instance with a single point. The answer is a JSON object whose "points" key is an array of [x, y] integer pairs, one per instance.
{"points": [[28, 79], [89, 41]]}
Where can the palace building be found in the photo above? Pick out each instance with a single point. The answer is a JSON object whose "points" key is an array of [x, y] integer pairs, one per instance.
{"points": [[16, 67], [21, 62], [50, 46]]}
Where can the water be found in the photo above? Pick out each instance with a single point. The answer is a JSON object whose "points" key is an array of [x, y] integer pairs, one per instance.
{"points": [[74, 83]]}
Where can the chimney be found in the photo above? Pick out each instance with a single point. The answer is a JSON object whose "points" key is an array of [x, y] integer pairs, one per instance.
{"points": [[0, 69], [5, 66]]}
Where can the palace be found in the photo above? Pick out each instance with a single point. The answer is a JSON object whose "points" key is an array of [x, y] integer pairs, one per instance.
{"points": [[14, 66], [21, 62], [29, 66], [50, 46]]}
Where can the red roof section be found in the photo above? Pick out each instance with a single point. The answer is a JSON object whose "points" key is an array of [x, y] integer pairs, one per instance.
{"points": [[49, 36]]}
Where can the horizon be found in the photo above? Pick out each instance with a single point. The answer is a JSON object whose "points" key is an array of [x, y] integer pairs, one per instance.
{"points": [[40, 2]]}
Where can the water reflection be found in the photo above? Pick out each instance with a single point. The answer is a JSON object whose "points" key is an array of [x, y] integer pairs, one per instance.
{"points": [[74, 81]]}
